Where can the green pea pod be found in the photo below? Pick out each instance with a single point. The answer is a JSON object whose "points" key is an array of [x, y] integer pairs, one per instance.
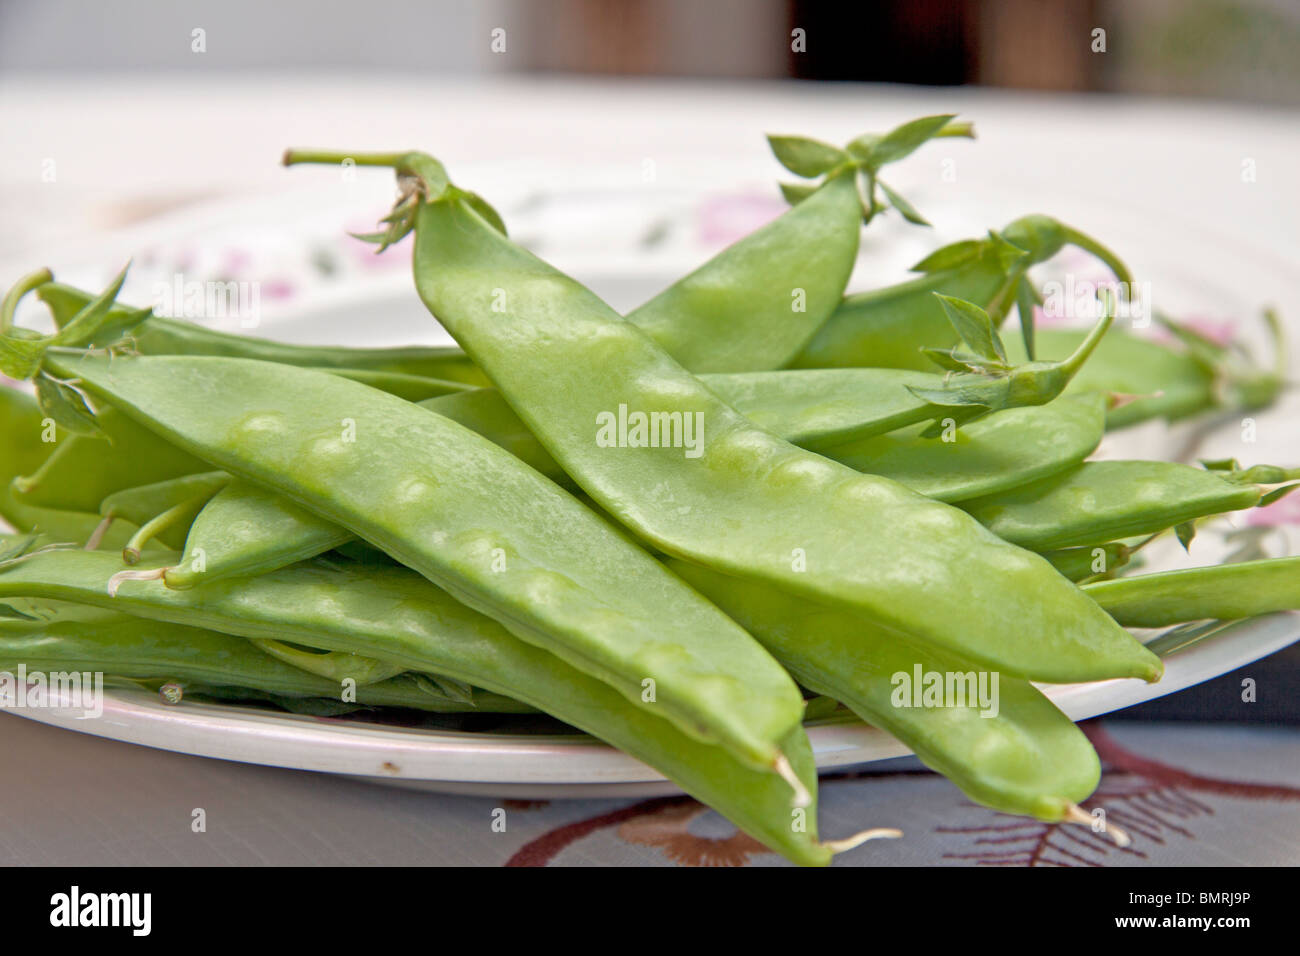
{"points": [[24, 431], [889, 327], [727, 494], [122, 646], [179, 498], [85, 470], [164, 336], [1100, 501], [392, 613], [413, 388], [247, 530], [1003, 451], [1156, 381], [1098, 561], [334, 665], [780, 298], [1014, 752], [470, 517], [1225, 592]]}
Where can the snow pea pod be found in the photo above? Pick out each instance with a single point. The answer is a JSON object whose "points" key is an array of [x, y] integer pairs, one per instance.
{"points": [[470, 517], [84, 469], [413, 388], [1002, 451], [392, 613], [144, 504], [1100, 501], [730, 495], [158, 335], [1224, 592], [246, 529], [123, 646], [888, 327], [1097, 561], [23, 433], [755, 305], [1014, 751], [1166, 383]]}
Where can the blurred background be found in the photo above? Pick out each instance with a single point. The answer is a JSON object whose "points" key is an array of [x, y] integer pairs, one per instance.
{"points": [[1232, 49]]}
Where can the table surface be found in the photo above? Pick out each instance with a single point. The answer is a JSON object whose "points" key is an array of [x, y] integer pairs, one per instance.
{"points": [[131, 148]]}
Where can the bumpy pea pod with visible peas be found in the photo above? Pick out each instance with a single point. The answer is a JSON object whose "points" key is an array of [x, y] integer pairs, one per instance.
{"points": [[890, 327], [1100, 501], [470, 517], [1225, 592], [137, 649], [1012, 751], [392, 613], [743, 502], [246, 529]]}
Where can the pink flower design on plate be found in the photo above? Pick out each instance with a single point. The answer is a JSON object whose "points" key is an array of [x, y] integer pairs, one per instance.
{"points": [[724, 219], [1283, 511]]}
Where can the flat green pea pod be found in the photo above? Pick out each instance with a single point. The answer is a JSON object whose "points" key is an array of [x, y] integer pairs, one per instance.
{"points": [[84, 469], [26, 435], [996, 453], [1101, 501], [336, 665], [1225, 592], [413, 388], [244, 529], [137, 649], [161, 510], [392, 613], [752, 306], [29, 438], [470, 517], [158, 335], [1098, 561], [1003, 743], [804, 259], [720, 491], [889, 327], [1170, 381]]}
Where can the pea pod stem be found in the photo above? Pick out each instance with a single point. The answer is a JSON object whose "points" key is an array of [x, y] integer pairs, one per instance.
{"points": [[1108, 258], [1076, 814], [9, 305], [178, 514]]}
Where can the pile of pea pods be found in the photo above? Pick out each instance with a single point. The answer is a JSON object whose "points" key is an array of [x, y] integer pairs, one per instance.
{"points": [[687, 531]]}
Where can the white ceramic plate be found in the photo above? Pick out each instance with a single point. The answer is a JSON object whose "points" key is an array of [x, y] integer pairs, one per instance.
{"points": [[648, 236]]}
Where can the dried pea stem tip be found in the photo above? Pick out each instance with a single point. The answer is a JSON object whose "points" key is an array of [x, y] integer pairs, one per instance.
{"points": [[781, 765], [116, 580], [848, 843], [1076, 814]]}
